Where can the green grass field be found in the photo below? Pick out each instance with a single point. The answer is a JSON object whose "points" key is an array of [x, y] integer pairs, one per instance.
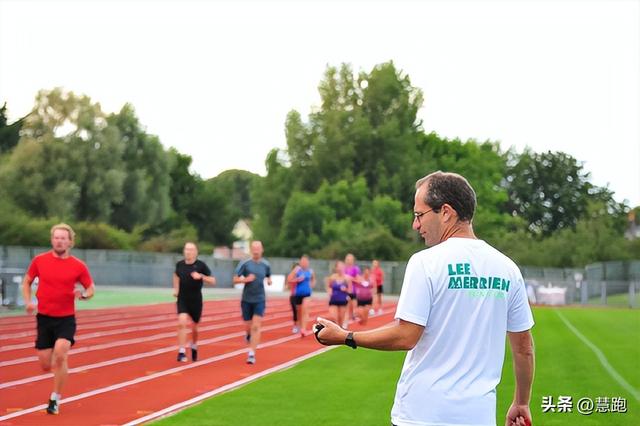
{"points": [[617, 300], [345, 387]]}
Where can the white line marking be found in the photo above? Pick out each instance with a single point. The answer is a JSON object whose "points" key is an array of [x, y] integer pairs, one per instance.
{"points": [[140, 339], [230, 313], [184, 404], [603, 359], [126, 319], [138, 356], [150, 377], [153, 376], [86, 336]]}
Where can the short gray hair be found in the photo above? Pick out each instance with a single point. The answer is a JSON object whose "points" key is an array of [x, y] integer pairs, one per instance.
{"points": [[449, 188]]}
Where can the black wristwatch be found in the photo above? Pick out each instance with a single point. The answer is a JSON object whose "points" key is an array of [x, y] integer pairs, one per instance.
{"points": [[349, 341]]}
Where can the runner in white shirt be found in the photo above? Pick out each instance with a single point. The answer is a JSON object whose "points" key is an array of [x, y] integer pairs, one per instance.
{"points": [[459, 300]]}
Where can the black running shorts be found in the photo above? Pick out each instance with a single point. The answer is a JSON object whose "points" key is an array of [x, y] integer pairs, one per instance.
{"points": [[51, 329], [191, 307]]}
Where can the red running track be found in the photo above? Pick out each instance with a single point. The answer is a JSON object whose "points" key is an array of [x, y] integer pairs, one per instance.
{"points": [[123, 367]]}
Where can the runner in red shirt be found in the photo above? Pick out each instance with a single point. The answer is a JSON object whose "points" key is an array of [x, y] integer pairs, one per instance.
{"points": [[378, 274], [57, 272]]}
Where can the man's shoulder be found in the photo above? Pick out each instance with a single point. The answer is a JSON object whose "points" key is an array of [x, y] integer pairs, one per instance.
{"points": [[501, 257], [243, 263], [78, 261], [201, 263], [42, 256], [265, 262]]}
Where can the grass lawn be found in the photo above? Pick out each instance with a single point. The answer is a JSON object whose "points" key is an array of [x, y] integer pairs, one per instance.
{"points": [[622, 300], [345, 387]]}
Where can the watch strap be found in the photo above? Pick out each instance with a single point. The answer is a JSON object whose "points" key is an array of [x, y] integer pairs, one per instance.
{"points": [[349, 341]]}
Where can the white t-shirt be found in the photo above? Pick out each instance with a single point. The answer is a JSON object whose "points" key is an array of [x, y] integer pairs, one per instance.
{"points": [[467, 295]]}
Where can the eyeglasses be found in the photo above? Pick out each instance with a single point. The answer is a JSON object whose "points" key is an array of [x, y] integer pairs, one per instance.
{"points": [[418, 215]]}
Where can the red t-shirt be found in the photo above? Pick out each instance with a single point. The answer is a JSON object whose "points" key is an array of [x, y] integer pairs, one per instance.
{"points": [[378, 273], [57, 281]]}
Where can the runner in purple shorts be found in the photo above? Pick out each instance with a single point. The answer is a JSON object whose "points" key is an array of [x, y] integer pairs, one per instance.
{"points": [[338, 290]]}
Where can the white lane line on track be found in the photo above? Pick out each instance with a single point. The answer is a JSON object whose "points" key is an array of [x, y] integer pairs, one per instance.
{"points": [[95, 334], [154, 376], [134, 357], [136, 340], [227, 313], [115, 320], [184, 404], [603, 359], [150, 377], [168, 324]]}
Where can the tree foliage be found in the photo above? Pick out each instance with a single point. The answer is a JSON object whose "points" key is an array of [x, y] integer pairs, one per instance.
{"points": [[74, 162], [344, 183]]}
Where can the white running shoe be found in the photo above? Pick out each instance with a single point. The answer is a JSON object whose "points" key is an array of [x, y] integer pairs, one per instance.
{"points": [[295, 330]]}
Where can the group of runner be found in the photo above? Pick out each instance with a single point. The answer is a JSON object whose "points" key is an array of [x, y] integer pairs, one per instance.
{"points": [[188, 279], [349, 288], [59, 272], [352, 290], [430, 389]]}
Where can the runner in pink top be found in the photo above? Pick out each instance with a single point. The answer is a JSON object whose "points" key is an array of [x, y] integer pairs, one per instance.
{"points": [[364, 295], [378, 273], [353, 272]]}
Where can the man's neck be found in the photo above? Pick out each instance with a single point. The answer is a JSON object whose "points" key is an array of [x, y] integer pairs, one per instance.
{"points": [[459, 230], [190, 261], [63, 255]]}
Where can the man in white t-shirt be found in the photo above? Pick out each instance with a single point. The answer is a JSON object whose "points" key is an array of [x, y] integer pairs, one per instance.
{"points": [[459, 300]]}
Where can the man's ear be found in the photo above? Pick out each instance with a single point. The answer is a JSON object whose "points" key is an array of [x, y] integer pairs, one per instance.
{"points": [[449, 213]]}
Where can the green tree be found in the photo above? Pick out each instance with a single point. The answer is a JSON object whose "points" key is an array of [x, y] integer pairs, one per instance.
{"points": [[551, 191], [183, 184], [367, 126], [269, 197], [68, 161], [211, 214], [237, 185], [147, 182], [9, 133], [202, 204]]}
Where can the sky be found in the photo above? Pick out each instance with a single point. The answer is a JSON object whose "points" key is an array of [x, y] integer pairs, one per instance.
{"points": [[216, 79]]}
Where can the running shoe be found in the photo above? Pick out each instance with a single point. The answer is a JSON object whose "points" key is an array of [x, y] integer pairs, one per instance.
{"points": [[182, 357], [52, 408], [251, 359], [194, 354], [295, 330]]}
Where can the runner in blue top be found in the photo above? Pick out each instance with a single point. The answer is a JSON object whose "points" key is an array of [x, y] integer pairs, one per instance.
{"points": [[252, 273], [306, 279]]}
